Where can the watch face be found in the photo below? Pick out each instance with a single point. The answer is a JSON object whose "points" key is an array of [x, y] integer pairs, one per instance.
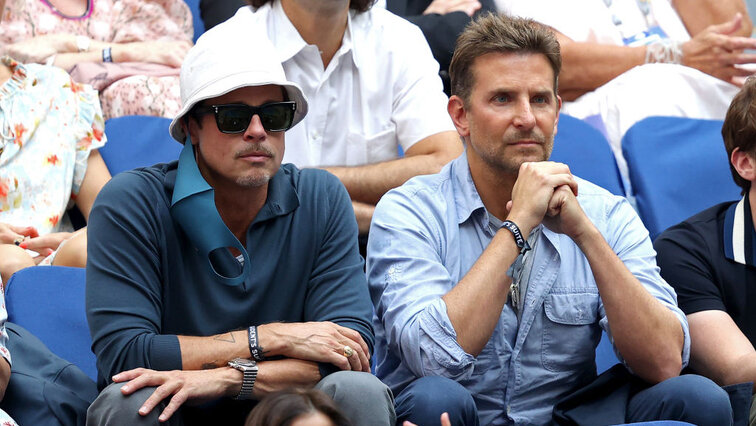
{"points": [[243, 362]]}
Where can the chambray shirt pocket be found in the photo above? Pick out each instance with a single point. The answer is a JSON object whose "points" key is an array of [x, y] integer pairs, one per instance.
{"points": [[569, 328]]}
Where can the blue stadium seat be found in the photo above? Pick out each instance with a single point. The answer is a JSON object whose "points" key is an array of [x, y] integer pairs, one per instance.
{"points": [[587, 152], [49, 302], [605, 357], [199, 26], [678, 167], [138, 141]]}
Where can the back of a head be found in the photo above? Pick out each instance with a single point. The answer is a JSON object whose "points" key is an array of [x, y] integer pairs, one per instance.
{"points": [[739, 128], [285, 407], [499, 33]]}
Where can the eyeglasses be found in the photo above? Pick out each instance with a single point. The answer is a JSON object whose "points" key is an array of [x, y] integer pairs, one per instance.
{"points": [[235, 118]]}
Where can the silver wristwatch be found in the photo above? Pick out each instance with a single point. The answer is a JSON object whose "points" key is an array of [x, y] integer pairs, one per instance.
{"points": [[249, 368]]}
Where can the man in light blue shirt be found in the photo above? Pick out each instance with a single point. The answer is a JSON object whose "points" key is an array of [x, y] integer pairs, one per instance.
{"points": [[492, 280]]}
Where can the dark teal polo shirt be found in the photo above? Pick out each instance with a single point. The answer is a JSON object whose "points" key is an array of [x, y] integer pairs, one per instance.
{"points": [[146, 283]]}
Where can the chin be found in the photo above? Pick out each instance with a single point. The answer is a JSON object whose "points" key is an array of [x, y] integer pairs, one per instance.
{"points": [[254, 181]]}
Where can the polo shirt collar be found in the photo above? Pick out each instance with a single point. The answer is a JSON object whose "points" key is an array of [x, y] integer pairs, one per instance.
{"points": [[739, 233], [282, 196], [289, 42]]}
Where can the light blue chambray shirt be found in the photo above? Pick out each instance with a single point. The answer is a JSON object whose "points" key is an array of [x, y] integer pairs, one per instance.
{"points": [[425, 237]]}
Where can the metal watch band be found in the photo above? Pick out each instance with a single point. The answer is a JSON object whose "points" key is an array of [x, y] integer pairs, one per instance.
{"points": [[521, 242], [248, 383], [254, 348]]}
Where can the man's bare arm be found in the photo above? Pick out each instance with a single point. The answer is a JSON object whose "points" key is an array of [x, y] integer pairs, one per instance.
{"points": [[699, 14], [719, 350], [715, 50], [647, 333], [368, 183], [311, 341]]}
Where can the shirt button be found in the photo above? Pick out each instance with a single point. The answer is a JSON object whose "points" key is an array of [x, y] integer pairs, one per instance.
{"points": [[315, 135]]}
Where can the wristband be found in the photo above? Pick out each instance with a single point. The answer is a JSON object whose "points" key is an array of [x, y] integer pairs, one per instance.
{"points": [[106, 55], [254, 349], [521, 242]]}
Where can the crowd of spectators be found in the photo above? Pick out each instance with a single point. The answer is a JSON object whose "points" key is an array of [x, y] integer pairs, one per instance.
{"points": [[228, 286]]}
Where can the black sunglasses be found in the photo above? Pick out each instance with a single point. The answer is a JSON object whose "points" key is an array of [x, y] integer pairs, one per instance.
{"points": [[235, 118]]}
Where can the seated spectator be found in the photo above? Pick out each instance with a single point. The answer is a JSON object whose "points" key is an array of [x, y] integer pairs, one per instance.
{"points": [[233, 276], [625, 60], [373, 88], [441, 21], [493, 280], [123, 36], [710, 260], [297, 407], [51, 129]]}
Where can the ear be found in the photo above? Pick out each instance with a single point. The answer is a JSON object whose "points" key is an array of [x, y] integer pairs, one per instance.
{"points": [[558, 108], [458, 114], [191, 128], [744, 164]]}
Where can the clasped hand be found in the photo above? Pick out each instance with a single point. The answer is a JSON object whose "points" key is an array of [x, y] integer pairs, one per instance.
{"points": [[546, 192]]}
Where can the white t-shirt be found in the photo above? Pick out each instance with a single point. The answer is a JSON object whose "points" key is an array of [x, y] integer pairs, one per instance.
{"points": [[380, 91]]}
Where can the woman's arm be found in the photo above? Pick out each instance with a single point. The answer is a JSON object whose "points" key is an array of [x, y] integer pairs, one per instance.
{"points": [[96, 177]]}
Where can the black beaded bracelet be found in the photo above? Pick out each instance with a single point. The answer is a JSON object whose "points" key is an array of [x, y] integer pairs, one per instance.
{"points": [[521, 242], [254, 349]]}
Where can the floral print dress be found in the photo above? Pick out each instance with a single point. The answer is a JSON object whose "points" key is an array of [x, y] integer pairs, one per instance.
{"points": [[48, 126], [115, 21]]}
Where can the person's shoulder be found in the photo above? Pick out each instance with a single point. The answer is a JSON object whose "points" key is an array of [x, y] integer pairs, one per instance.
{"points": [[143, 183], [431, 193], [704, 226]]}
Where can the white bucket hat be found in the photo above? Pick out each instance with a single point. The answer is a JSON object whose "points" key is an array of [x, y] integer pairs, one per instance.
{"points": [[227, 58]]}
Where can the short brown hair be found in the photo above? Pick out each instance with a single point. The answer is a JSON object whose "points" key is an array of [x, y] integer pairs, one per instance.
{"points": [[358, 5], [283, 407], [739, 128], [498, 33]]}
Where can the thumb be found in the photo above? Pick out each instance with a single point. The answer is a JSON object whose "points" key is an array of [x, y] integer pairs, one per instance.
{"points": [[730, 27]]}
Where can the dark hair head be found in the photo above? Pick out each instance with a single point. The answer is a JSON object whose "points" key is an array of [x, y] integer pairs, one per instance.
{"points": [[283, 407], [739, 128], [358, 5], [498, 33]]}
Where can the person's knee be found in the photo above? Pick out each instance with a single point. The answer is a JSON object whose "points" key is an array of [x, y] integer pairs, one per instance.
{"points": [[361, 396], [73, 252], [425, 399], [114, 408], [695, 399], [13, 259]]}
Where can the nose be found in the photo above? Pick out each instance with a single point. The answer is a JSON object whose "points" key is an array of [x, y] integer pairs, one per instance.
{"points": [[255, 130], [524, 118]]}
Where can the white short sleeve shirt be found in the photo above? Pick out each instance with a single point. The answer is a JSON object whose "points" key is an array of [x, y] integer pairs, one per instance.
{"points": [[381, 90]]}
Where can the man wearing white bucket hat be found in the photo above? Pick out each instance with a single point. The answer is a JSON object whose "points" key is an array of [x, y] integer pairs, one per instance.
{"points": [[374, 90], [233, 275]]}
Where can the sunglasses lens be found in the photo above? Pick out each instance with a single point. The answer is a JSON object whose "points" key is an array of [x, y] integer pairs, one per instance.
{"points": [[277, 117], [233, 119]]}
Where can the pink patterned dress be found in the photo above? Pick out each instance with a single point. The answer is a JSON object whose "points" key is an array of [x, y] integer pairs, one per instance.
{"points": [[114, 21]]}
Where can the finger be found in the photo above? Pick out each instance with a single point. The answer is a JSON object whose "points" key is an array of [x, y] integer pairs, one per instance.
{"points": [[44, 242], [735, 44], [509, 206], [27, 231], [176, 402], [355, 364], [557, 180], [127, 375], [729, 27], [408, 423], [738, 59], [354, 336], [445, 421], [162, 392]]}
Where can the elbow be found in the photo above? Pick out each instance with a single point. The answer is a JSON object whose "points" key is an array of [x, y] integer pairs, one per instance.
{"points": [[443, 156], [662, 368]]}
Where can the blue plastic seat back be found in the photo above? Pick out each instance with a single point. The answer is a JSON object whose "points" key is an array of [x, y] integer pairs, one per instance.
{"points": [[49, 302], [605, 357], [678, 167], [138, 141], [199, 26], [587, 152]]}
